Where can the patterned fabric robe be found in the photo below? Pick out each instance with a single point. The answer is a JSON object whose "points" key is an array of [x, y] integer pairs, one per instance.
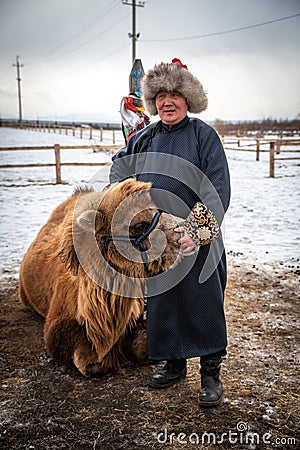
{"points": [[185, 163]]}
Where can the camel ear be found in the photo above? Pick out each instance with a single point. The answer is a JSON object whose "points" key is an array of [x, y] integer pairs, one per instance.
{"points": [[92, 220], [87, 220], [67, 251]]}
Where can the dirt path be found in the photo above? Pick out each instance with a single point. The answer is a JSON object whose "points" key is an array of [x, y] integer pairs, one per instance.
{"points": [[43, 406]]}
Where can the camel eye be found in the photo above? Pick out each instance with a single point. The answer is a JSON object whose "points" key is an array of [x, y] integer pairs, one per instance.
{"points": [[139, 228]]}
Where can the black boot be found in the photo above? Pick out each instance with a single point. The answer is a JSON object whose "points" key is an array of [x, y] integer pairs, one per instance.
{"points": [[211, 386], [174, 370]]}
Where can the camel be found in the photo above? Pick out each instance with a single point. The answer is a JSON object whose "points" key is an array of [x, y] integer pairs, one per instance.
{"points": [[85, 274]]}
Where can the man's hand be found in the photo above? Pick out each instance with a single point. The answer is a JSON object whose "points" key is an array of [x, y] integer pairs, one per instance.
{"points": [[188, 246]]}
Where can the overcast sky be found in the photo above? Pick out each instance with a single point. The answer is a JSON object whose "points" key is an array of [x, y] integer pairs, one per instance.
{"points": [[77, 55]]}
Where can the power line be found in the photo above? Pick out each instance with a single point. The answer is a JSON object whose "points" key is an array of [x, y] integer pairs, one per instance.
{"points": [[233, 30], [82, 66], [82, 44], [5, 73], [77, 34]]}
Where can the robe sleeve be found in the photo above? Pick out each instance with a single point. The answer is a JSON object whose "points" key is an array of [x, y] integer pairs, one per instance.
{"points": [[215, 182], [201, 225], [120, 169], [124, 162]]}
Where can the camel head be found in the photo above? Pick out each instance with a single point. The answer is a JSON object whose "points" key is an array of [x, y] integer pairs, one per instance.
{"points": [[121, 230]]}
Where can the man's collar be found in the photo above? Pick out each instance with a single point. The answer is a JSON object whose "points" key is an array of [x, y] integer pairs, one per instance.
{"points": [[177, 126]]}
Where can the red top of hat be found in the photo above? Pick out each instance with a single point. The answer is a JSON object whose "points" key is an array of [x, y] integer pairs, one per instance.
{"points": [[177, 61]]}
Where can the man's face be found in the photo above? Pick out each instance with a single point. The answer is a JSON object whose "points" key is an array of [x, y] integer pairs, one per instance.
{"points": [[171, 106]]}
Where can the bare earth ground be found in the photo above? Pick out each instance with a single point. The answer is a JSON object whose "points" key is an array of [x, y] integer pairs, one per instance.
{"points": [[44, 406]]}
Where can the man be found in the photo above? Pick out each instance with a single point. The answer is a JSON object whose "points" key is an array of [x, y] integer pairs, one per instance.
{"points": [[184, 160]]}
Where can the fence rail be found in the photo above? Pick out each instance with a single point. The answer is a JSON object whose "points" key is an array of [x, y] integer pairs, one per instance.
{"points": [[14, 123], [275, 148], [58, 164], [78, 130]]}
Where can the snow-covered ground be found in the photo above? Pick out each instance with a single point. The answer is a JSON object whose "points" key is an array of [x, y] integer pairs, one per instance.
{"points": [[261, 226]]}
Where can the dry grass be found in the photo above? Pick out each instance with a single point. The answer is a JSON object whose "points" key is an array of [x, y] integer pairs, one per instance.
{"points": [[44, 406]]}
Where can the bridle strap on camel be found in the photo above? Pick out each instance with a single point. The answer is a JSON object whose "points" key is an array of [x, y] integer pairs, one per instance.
{"points": [[138, 241]]}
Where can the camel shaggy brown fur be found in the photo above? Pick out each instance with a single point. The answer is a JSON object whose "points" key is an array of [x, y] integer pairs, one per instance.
{"points": [[91, 292]]}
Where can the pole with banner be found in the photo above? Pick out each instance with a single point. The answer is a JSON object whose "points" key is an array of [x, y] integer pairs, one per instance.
{"points": [[131, 109]]}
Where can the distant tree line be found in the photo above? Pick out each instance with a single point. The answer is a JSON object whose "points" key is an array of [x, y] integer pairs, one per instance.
{"points": [[258, 126]]}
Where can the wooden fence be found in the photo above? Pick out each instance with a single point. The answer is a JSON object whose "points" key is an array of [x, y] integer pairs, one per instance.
{"points": [[58, 164], [81, 131], [274, 148]]}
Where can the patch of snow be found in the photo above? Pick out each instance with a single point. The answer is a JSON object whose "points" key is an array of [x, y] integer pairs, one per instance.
{"points": [[261, 225]]}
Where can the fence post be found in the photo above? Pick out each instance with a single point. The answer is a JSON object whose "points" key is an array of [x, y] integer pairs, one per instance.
{"points": [[278, 146], [257, 149], [57, 163], [101, 134], [91, 132], [114, 136], [272, 159], [80, 132]]}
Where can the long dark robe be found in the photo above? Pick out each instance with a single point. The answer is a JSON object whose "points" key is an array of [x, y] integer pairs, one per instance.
{"points": [[185, 163]]}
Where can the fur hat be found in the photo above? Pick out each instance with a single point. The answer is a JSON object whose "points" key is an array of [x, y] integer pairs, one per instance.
{"points": [[173, 77]]}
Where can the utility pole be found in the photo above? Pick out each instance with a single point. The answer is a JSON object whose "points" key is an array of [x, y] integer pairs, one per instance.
{"points": [[18, 65], [134, 36]]}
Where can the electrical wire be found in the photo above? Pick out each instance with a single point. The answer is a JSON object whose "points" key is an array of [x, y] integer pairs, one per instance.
{"points": [[82, 66], [218, 33], [77, 34], [4, 74], [82, 44]]}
